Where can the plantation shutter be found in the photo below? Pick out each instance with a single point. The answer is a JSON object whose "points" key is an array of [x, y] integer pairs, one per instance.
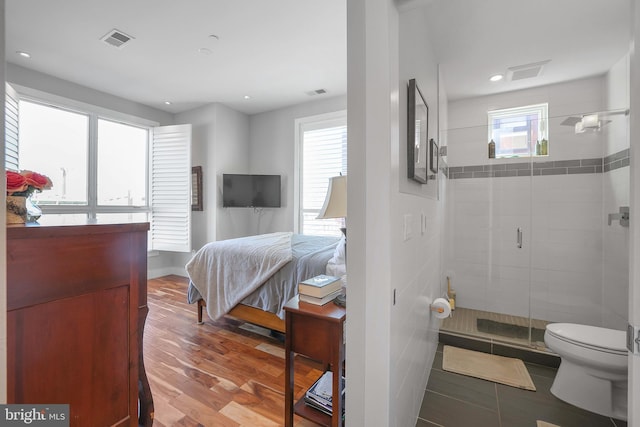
{"points": [[171, 188], [11, 129]]}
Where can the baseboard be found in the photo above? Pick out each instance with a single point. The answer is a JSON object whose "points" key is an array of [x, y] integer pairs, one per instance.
{"points": [[154, 273]]}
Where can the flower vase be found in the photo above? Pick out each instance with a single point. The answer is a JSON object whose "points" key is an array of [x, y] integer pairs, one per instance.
{"points": [[16, 209], [33, 211]]}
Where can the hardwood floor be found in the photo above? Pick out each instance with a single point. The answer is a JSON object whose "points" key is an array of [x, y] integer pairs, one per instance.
{"points": [[215, 374]]}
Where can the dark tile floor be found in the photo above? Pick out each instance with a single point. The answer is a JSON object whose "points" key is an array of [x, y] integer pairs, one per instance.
{"points": [[453, 400]]}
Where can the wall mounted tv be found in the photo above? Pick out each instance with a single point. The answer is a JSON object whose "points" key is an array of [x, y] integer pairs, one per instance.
{"points": [[250, 191]]}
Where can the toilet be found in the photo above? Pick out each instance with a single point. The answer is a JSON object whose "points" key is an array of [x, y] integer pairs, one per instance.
{"points": [[593, 367]]}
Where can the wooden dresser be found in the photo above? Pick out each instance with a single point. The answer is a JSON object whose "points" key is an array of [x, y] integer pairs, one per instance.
{"points": [[76, 307]]}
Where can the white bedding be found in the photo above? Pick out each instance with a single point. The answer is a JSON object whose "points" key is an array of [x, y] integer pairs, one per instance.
{"points": [[232, 269]]}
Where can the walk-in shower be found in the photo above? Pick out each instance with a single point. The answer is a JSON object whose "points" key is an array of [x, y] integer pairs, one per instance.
{"points": [[537, 235]]}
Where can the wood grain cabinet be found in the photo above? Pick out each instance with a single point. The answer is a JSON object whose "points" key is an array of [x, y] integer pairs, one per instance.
{"points": [[76, 307]]}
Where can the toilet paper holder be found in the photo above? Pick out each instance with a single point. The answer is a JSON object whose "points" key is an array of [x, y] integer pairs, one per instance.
{"points": [[441, 308]]}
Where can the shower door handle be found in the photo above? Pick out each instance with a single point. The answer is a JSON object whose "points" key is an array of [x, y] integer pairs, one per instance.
{"points": [[519, 238]]}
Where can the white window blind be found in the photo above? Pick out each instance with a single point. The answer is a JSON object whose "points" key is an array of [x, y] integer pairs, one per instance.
{"points": [[323, 155], [171, 188], [11, 128]]}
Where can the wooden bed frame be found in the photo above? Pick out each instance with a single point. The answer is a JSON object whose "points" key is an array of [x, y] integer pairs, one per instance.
{"points": [[249, 314]]}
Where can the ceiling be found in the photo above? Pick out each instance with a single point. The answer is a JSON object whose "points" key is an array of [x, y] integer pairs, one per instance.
{"points": [[273, 51], [475, 39], [277, 52]]}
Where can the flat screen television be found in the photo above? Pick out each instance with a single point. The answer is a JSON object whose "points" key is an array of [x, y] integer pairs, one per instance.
{"points": [[250, 191]]}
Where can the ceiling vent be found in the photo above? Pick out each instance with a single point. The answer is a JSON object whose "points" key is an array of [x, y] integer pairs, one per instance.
{"points": [[526, 71], [316, 92], [116, 38]]}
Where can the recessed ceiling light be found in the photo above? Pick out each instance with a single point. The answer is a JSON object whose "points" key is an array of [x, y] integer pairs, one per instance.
{"points": [[214, 37], [23, 54], [247, 97], [167, 102], [205, 51], [496, 77]]}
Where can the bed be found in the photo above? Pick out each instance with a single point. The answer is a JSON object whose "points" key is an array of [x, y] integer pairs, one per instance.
{"points": [[251, 278]]}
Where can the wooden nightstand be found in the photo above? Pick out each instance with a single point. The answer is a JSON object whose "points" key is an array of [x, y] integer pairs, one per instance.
{"points": [[316, 332]]}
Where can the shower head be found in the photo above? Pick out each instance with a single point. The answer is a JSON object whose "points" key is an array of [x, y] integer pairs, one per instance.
{"points": [[591, 121]]}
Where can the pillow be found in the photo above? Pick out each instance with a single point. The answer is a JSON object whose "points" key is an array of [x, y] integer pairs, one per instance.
{"points": [[337, 264]]}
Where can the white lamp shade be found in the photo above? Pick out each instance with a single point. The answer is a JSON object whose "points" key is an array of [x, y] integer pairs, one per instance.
{"points": [[335, 203]]}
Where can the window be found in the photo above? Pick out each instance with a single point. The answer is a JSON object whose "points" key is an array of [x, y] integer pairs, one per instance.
{"points": [[519, 132], [53, 141], [57, 141], [122, 159], [105, 165], [322, 154]]}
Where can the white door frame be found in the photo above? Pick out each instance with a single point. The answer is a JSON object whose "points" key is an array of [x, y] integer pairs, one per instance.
{"points": [[634, 246]]}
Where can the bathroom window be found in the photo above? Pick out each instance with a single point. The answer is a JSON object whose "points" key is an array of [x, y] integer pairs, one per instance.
{"points": [[520, 131]]}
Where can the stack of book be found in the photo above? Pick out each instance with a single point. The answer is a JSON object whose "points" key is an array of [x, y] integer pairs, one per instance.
{"points": [[319, 290], [319, 395]]}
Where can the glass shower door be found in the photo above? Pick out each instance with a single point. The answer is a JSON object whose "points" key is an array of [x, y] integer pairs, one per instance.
{"points": [[488, 244], [580, 261]]}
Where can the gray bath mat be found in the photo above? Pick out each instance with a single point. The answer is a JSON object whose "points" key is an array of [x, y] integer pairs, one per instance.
{"points": [[508, 330]]}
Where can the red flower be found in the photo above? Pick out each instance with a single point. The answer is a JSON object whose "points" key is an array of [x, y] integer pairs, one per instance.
{"points": [[26, 182], [40, 182], [15, 182]]}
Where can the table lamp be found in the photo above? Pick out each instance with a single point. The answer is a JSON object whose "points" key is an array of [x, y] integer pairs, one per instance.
{"points": [[335, 206], [335, 202]]}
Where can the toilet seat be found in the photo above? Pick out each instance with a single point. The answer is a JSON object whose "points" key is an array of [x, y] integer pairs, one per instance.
{"points": [[592, 337]]}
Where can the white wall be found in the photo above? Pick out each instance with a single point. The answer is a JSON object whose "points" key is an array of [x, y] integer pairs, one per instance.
{"points": [[391, 345], [468, 121], [272, 142], [55, 86], [231, 155], [369, 24], [415, 263]]}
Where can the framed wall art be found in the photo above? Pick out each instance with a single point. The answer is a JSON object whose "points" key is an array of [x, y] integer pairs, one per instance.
{"points": [[196, 188], [417, 131], [433, 158]]}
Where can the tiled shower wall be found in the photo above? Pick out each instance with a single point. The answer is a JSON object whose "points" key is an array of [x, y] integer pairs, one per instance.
{"points": [[560, 202], [561, 216]]}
